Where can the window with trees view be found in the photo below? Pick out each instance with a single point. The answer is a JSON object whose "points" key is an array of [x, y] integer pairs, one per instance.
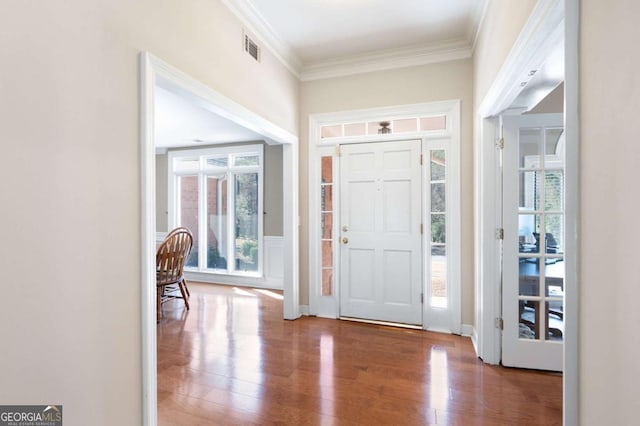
{"points": [[217, 194]]}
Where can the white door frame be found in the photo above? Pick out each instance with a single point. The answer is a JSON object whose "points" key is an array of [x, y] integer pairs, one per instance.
{"points": [[328, 306], [153, 71], [550, 22]]}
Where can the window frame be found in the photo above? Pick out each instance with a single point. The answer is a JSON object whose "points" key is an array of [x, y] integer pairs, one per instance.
{"points": [[203, 172]]}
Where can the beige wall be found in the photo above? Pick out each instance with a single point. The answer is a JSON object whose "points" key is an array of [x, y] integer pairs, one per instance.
{"points": [[273, 194], [609, 282], [70, 180], [450, 80], [502, 24]]}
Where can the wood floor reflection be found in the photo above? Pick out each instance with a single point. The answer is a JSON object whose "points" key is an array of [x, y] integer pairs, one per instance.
{"points": [[232, 360]]}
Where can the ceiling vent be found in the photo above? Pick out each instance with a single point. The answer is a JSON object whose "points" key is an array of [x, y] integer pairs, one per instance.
{"points": [[251, 48]]}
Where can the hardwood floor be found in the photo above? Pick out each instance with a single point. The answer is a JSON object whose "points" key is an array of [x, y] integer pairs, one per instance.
{"points": [[232, 360]]}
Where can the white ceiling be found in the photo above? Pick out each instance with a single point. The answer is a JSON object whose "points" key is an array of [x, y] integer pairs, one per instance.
{"points": [[307, 34], [179, 123], [319, 30]]}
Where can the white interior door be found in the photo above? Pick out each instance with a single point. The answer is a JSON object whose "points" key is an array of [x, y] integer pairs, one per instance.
{"points": [[533, 246], [380, 236]]}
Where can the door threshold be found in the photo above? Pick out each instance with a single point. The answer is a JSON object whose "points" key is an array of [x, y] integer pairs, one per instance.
{"points": [[387, 323]]}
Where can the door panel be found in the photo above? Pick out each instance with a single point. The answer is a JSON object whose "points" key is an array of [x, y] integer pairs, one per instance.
{"points": [[533, 262], [380, 250]]}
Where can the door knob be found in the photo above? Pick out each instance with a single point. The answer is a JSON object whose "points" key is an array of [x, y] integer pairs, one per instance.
{"points": [[345, 240]]}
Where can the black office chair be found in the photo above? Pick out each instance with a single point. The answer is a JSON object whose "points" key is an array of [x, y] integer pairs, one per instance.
{"points": [[551, 245]]}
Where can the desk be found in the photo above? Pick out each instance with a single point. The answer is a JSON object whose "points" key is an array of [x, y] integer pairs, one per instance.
{"points": [[529, 285], [529, 278]]}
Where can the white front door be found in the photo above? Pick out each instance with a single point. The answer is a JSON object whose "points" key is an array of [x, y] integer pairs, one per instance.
{"points": [[380, 236], [533, 246]]}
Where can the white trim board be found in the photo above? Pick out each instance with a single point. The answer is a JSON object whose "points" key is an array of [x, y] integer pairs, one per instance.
{"points": [[154, 71], [387, 60]]}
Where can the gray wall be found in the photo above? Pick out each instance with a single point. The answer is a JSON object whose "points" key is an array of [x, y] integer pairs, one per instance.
{"points": [[162, 193], [273, 192]]}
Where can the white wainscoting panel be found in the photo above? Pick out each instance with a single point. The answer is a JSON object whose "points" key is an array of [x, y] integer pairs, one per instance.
{"points": [[273, 261], [273, 269]]}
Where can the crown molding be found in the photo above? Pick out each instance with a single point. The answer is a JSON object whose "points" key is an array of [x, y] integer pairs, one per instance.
{"points": [[387, 60], [382, 60], [249, 16], [479, 14]]}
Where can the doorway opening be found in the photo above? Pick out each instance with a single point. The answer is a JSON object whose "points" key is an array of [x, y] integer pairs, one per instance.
{"points": [[384, 215], [156, 76], [552, 26]]}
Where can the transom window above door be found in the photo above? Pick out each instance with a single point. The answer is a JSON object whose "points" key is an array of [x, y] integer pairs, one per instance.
{"points": [[384, 126], [218, 194]]}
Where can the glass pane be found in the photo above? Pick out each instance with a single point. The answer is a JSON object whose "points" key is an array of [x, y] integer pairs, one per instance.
{"points": [[326, 202], [552, 145], [528, 224], [326, 226], [529, 277], [246, 222], [529, 191], [217, 161], [327, 282], [439, 276], [331, 131], [433, 123], [247, 160], [186, 164], [327, 254], [327, 169], [438, 165], [405, 125], [189, 212], [555, 320], [438, 228], [554, 241], [372, 127], [554, 190], [530, 148], [438, 203], [529, 326], [217, 222], [554, 277], [355, 129]]}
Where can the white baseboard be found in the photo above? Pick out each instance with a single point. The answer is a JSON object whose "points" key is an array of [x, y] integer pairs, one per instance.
{"points": [[467, 330], [470, 331], [237, 280], [304, 310]]}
